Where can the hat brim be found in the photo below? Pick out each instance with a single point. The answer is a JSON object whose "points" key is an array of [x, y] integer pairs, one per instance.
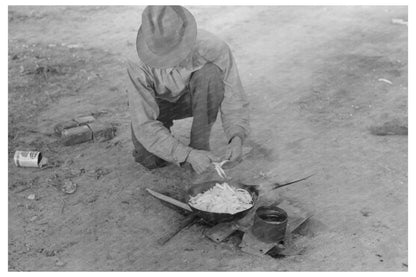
{"points": [[174, 57]]}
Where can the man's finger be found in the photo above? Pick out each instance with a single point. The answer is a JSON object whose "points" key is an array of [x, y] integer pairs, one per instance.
{"points": [[213, 157], [198, 170], [231, 154], [227, 154], [233, 157], [204, 167], [236, 154]]}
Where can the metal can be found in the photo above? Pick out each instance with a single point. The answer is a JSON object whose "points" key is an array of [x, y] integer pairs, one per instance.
{"points": [[270, 224], [27, 158]]}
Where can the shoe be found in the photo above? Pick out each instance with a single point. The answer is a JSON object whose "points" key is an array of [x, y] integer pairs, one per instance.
{"points": [[150, 162]]}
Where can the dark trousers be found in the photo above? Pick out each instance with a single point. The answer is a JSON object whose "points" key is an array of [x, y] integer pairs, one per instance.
{"points": [[201, 101]]}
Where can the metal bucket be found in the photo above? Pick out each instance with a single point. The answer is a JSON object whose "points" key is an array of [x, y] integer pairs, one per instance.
{"points": [[270, 224]]}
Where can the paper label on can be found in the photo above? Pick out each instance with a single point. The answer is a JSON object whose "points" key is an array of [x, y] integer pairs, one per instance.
{"points": [[27, 158]]}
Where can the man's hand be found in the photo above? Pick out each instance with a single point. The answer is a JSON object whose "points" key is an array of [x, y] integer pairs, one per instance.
{"points": [[234, 150], [201, 160]]}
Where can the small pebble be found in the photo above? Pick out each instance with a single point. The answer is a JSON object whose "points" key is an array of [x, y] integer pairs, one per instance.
{"points": [[60, 263], [74, 46], [69, 187], [30, 206]]}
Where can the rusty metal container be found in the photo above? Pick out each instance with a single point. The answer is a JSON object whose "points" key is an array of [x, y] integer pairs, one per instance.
{"points": [[76, 135], [61, 126], [270, 224], [83, 120], [102, 131], [79, 121]]}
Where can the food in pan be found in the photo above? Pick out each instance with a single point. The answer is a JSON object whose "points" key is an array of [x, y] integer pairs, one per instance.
{"points": [[222, 198]]}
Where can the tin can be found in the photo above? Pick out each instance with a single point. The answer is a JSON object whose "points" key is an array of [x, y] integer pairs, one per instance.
{"points": [[270, 224], [27, 158]]}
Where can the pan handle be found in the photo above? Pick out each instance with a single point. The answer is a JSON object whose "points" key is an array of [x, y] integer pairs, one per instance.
{"points": [[277, 185], [189, 219]]}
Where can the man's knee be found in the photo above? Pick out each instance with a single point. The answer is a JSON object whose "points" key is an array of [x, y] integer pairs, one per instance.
{"points": [[206, 76], [210, 70]]}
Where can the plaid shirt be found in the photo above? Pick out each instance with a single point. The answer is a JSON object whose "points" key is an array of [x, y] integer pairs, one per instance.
{"points": [[170, 84]]}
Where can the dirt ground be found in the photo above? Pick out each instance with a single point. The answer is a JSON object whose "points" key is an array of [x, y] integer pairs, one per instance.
{"points": [[312, 78]]}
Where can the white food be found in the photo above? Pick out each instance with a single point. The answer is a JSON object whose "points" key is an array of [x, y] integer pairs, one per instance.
{"points": [[222, 198]]}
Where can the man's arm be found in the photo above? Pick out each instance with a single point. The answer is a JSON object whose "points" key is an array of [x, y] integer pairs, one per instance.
{"points": [[144, 112], [234, 108]]}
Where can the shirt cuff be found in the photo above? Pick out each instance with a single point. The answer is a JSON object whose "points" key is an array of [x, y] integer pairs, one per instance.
{"points": [[181, 153]]}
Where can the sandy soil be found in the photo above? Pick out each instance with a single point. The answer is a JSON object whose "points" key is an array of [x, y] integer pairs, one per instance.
{"points": [[312, 77]]}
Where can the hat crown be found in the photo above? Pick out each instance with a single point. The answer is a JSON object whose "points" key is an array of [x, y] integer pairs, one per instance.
{"points": [[166, 36], [164, 26]]}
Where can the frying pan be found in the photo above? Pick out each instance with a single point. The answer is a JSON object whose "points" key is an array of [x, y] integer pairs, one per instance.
{"points": [[214, 218]]}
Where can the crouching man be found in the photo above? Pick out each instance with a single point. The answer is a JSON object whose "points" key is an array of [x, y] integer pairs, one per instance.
{"points": [[183, 72]]}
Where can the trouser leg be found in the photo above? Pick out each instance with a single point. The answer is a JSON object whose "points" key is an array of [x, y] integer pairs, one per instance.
{"points": [[168, 111], [144, 157], [207, 92]]}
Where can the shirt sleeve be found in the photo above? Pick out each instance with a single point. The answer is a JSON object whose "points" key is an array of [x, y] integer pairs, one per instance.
{"points": [[144, 112], [234, 108]]}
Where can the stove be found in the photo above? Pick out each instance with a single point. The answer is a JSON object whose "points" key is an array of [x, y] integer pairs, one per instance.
{"points": [[253, 244]]}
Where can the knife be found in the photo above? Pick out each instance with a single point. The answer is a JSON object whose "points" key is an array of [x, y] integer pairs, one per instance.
{"points": [[170, 200]]}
